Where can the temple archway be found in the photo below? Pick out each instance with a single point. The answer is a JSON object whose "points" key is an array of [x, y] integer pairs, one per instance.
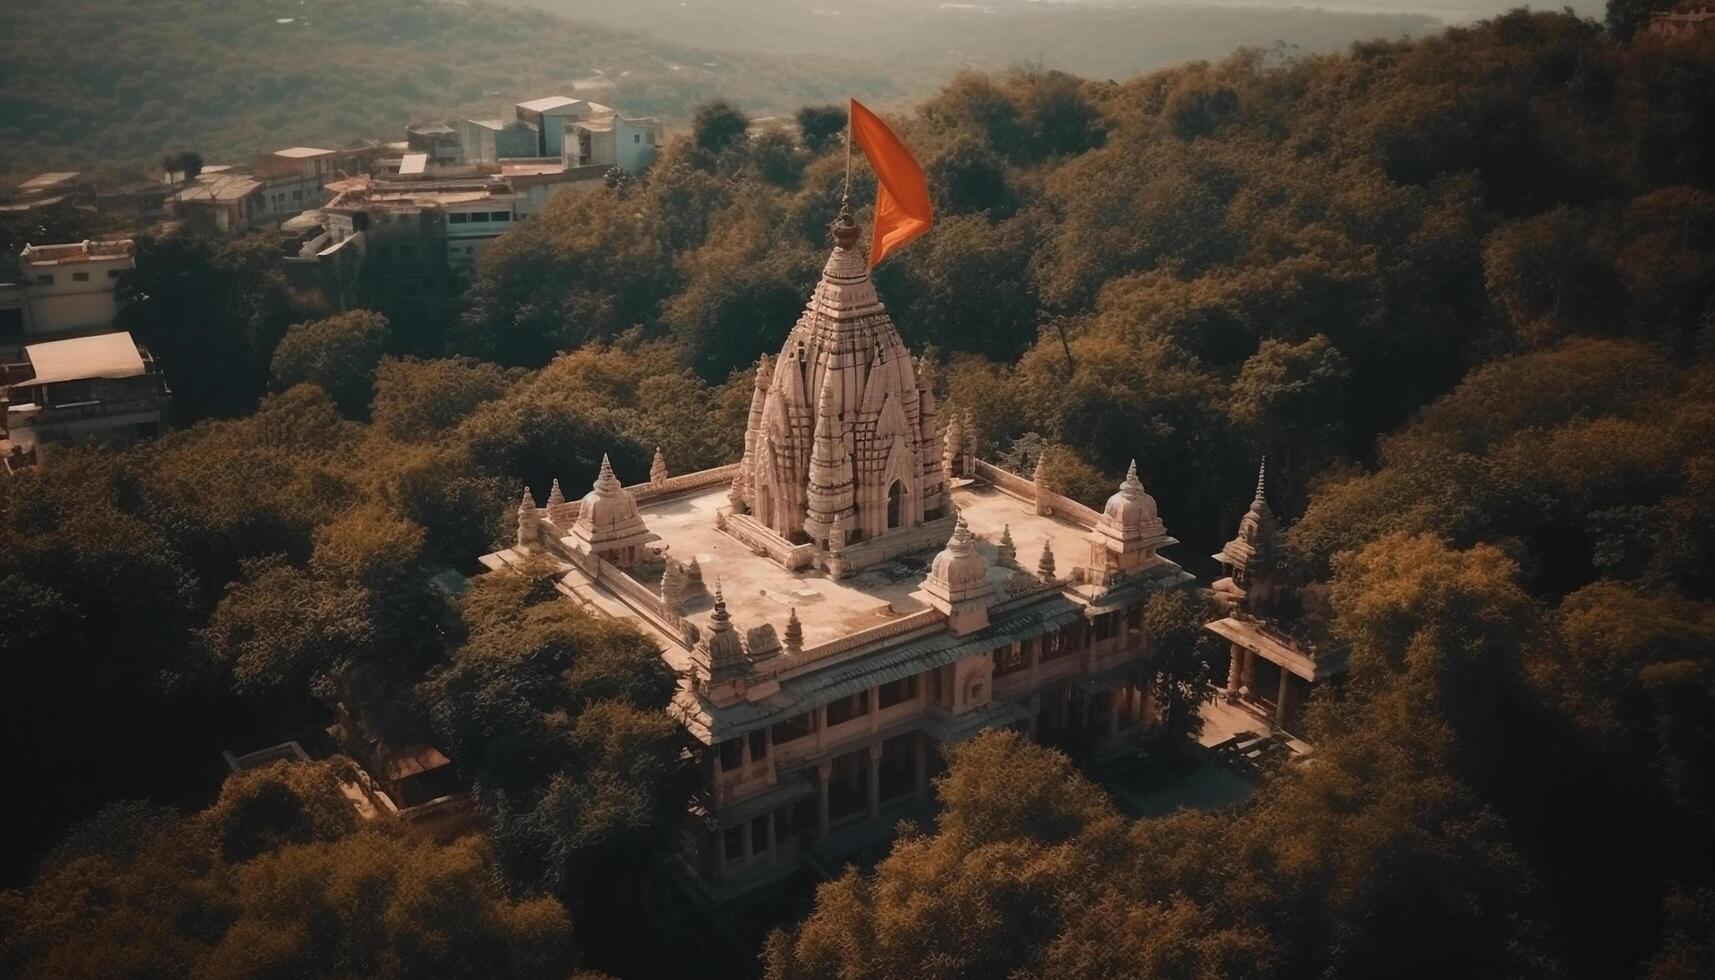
{"points": [[895, 504]]}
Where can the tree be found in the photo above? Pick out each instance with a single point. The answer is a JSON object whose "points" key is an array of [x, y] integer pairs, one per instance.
{"points": [[283, 632], [138, 893], [340, 354], [821, 126], [283, 803], [1180, 668], [717, 126], [185, 164]]}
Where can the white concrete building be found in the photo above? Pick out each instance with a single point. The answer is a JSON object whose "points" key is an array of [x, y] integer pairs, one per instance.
{"points": [[62, 291], [102, 387]]}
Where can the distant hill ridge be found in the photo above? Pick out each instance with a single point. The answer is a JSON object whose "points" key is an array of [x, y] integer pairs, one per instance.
{"points": [[232, 77]]}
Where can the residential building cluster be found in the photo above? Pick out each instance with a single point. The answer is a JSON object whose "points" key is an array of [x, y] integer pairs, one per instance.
{"points": [[409, 217], [65, 374]]}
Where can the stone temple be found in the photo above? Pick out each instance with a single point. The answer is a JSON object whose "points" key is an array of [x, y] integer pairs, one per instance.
{"points": [[856, 592]]}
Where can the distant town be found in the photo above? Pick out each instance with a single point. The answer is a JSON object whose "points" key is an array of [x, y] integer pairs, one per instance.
{"points": [[410, 215]]}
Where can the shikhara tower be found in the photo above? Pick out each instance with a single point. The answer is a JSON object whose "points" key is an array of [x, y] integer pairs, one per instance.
{"points": [[841, 446]]}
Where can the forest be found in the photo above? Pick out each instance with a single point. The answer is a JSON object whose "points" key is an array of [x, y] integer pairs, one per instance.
{"points": [[1460, 290]]}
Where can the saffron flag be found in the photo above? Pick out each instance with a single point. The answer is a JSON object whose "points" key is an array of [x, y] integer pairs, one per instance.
{"points": [[902, 209]]}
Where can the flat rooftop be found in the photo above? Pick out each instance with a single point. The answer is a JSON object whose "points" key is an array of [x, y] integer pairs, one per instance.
{"points": [[85, 251], [302, 152], [110, 355], [759, 591], [549, 103]]}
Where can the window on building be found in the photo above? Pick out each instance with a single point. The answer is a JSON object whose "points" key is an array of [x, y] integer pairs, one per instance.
{"points": [[458, 218], [796, 728], [1056, 645], [45, 279], [80, 277], [897, 692], [732, 754], [732, 843], [500, 216], [759, 745], [847, 708], [636, 137], [113, 273], [1009, 659], [759, 835], [1134, 618]]}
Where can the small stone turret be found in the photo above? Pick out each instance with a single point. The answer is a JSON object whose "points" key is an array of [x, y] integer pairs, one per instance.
{"points": [[1044, 501], [724, 646], [794, 634], [672, 584], [1007, 556], [608, 523], [658, 468], [528, 521], [1045, 564], [1250, 558], [1129, 532], [958, 582]]}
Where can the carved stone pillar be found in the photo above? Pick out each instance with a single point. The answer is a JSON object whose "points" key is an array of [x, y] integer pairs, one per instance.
{"points": [[824, 772], [1235, 672], [1282, 697], [874, 753]]}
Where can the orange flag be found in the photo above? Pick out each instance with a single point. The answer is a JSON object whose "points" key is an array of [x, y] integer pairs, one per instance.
{"points": [[902, 209]]}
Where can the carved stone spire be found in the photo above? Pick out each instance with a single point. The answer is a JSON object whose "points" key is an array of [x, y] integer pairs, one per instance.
{"points": [[845, 344], [1130, 531], [1045, 564], [555, 496], [658, 468], [1008, 551], [794, 634], [958, 582], [527, 520], [1044, 498], [608, 523], [830, 489], [725, 646], [672, 584]]}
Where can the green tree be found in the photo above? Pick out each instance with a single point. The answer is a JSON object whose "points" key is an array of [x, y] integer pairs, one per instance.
{"points": [[340, 354], [717, 126], [821, 127], [1180, 669]]}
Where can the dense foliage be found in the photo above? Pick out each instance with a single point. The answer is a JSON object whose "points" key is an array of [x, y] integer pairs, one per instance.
{"points": [[1459, 291]]}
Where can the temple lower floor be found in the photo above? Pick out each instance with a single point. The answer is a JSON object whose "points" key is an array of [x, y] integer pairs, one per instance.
{"points": [[837, 804]]}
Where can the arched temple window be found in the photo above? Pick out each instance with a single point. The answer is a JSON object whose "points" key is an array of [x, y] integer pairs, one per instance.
{"points": [[895, 505]]}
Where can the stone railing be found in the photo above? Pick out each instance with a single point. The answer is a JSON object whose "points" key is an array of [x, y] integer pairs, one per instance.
{"points": [[1025, 597], [1007, 480], [875, 634], [1018, 486], [640, 597], [700, 480]]}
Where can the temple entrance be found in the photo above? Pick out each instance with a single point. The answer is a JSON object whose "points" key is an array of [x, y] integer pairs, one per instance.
{"points": [[895, 505]]}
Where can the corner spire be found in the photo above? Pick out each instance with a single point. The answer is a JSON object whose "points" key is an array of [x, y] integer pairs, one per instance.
{"points": [[1261, 475]]}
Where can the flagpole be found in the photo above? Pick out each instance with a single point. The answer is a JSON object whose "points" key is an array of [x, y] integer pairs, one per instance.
{"points": [[846, 194]]}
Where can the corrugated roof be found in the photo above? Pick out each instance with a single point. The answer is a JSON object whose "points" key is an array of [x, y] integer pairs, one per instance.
{"points": [[112, 355]]}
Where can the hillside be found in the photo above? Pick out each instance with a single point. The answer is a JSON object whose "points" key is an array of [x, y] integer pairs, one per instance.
{"points": [[926, 41], [236, 76]]}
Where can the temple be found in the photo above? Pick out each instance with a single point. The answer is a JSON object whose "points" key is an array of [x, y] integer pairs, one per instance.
{"points": [[1271, 628], [849, 596]]}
